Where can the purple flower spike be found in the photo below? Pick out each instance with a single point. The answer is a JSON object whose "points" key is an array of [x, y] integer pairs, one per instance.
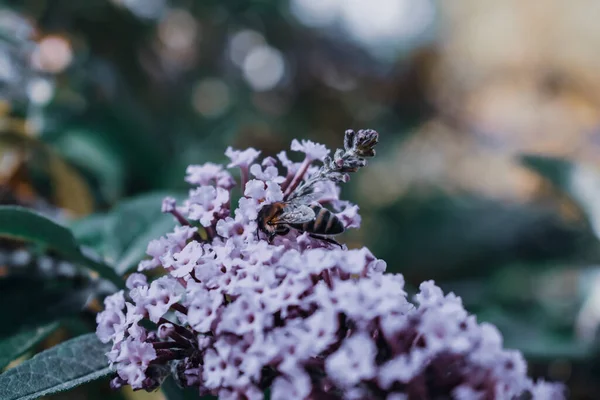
{"points": [[235, 314]]}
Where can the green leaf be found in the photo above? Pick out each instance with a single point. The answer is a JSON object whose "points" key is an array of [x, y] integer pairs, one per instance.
{"points": [[22, 223], [136, 251], [132, 218], [532, 335], [461, 236], [94, 153], [27, 302], [122, 236], [91, 231], [17, 345], [556, 170], [60, 368], [581, 183]]}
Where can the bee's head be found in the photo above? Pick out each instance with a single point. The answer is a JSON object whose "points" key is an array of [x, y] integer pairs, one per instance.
{"points": [[266, 214]]}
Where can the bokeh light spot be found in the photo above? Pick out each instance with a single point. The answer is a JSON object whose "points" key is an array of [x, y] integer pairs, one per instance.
{"points": [[390, 20], [211, 97], [40, 91], [316, 13], [241, 43], [178, 30], [148, 9], [263, 68], [53, 54]]}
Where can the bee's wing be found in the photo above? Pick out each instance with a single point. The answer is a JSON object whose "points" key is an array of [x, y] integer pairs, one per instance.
{"points": [[305, 198], [295, 214]]}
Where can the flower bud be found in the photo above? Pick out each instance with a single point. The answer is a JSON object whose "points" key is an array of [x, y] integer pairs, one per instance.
{"points": [[349, 139], [365, 142]]}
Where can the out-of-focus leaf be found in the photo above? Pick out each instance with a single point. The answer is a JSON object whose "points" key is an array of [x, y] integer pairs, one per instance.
{"points": [[18, 344], [556, 170], [173, 392], [532, 335], [70, 191], [122, 235], [91, 151], [24, 224], [135, 222], [66, 186], [28, 302], [91, 231], [580, 183], [60, 368], [136, 250], [445, 237], [132, 218]]}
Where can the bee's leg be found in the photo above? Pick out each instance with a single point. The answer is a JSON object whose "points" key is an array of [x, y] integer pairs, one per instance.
{"points": [[282, 230], [271, 237], [327, 239]]}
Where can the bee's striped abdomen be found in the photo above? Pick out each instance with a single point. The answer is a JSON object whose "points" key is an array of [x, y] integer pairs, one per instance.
{"points": [[325, 223]]}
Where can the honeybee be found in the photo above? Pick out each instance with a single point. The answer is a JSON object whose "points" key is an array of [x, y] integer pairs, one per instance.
{"points": [[298, 213]]}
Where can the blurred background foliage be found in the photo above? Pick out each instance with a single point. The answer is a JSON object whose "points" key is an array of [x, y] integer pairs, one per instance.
{"points": [[489, 113]]}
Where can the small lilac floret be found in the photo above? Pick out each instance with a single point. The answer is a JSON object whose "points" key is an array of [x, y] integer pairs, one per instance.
{"points": [[209, 173], [206, 204], [168, 205], [314, 151], [241, 158]]}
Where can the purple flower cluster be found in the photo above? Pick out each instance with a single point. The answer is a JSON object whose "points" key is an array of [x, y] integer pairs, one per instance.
{"points": [[235, 315]]}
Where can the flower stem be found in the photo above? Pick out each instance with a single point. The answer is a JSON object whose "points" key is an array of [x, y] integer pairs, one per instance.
{"points": [[244, 173], [210, 233], [166, 345], [179, 329], [297, 178], [163, 356], [180, 218], [178, 307]]}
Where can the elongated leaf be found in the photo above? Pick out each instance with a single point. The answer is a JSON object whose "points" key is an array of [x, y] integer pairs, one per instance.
{"points": [[17, 345], [27, 302], [24, 224], [60, 368], [122, 235], [92, 152], [133, 218], [91, 231], [137, 249]]}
